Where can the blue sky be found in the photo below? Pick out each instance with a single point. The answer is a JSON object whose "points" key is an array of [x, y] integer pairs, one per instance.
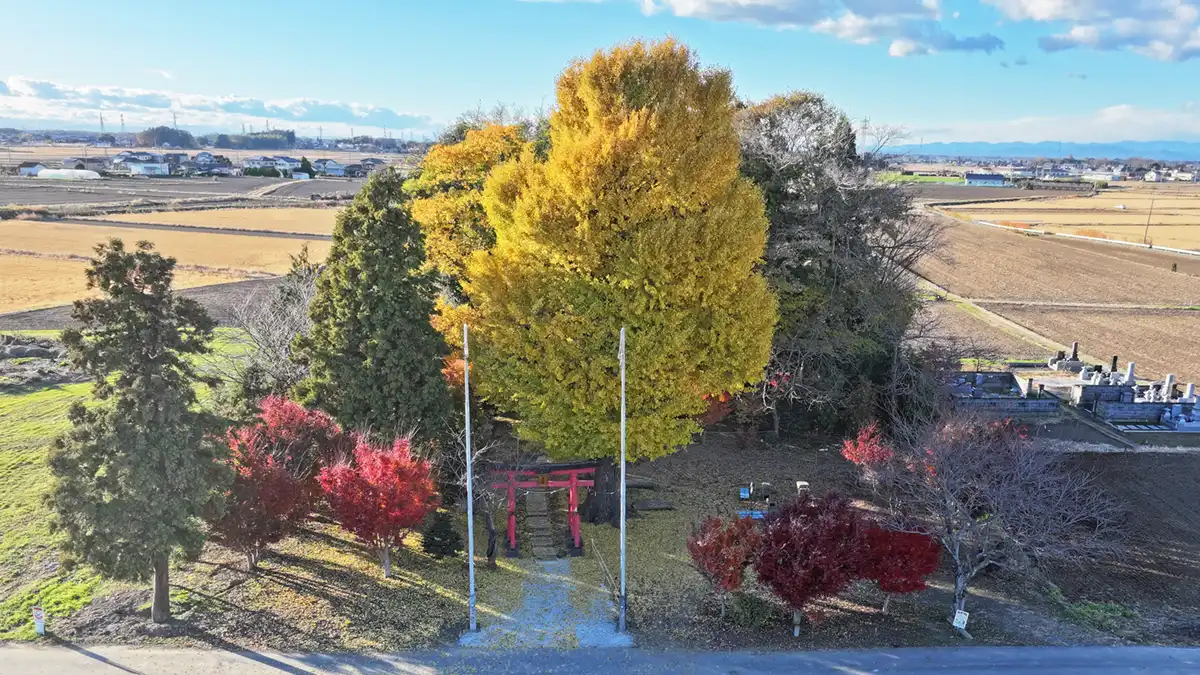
{"points": [[982, 70]]}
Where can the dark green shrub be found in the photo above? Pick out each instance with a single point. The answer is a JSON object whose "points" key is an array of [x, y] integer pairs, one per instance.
{"points": [[440, 538]]}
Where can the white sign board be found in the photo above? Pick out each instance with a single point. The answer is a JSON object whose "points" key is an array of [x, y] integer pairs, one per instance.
{"points": [[960, 619], [39, 621]]}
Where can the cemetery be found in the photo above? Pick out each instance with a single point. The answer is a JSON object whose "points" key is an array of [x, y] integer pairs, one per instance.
{"points": [[1001, 393]]}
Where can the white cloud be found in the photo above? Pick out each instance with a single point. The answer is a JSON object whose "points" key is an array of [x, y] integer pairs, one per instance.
{"points": [[1125, 122], [165, 74], [911, 26], [40, 100], [1167, 30]]}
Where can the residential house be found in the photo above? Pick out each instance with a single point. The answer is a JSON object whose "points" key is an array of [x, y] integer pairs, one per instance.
{"points": [[329, 167], [1153, 176], [140, 168], [374, 164], [30, 168], [258, 162], [96, 164], [286, 164], [1184, 176], [204, 157], [355, 171], [985, 179], [175, 157]]}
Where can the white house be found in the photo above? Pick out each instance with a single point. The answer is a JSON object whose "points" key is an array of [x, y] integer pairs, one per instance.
{"points": [[85, 163], [30, 168], [1153, 177], [258, 162], [329, 167], [1184, 176], [148, 168], [288, 164]]}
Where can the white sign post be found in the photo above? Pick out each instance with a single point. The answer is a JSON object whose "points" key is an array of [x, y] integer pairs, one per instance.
{"points": [[470, 481], [39, 621], [960, 619], [624, 604]]}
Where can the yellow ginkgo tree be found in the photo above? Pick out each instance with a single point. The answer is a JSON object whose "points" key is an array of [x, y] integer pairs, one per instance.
{"points": [[637, 217]]}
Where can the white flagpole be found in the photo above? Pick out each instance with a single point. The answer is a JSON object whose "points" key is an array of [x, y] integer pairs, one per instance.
{"points": [[624, 604], [470, 481]]}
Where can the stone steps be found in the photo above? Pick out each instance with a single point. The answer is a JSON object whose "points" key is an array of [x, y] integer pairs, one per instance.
{"points": [[538, 529]]}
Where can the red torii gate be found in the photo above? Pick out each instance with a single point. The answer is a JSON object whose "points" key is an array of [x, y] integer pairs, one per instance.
{"points": [[570, 476]]}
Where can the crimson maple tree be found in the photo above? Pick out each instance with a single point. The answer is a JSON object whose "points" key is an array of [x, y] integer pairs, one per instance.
{"points": [[382, 496], [900, 562], [811, 548], [299, 438], [721, 551], [264, 504]]}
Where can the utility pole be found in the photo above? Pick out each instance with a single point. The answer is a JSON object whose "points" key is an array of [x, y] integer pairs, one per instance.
{"points": [[1146, 234], [470, 484], [174, 122], [624, 597], [122, 123]]}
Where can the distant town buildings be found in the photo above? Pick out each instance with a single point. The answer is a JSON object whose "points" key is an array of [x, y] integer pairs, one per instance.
{"points": [[985, 179]]}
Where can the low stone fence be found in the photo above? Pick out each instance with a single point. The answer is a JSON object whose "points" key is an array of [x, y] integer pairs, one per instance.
{"points": [[1048, 404], [1135, 412]]}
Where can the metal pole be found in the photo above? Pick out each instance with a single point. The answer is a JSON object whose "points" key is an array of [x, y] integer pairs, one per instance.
{"points": [[470, 482], [1146, 234], [624, 597]]}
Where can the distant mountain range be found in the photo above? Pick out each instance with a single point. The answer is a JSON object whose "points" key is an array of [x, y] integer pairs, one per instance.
{"points": [[1171, 151]]}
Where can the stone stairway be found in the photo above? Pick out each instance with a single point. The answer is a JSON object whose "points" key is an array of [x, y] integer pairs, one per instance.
{"points": [[537, 526]]}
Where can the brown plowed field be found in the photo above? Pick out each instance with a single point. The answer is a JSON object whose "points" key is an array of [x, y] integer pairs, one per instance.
{"points": [[955, 322], [991, 263], [1158, 341]]}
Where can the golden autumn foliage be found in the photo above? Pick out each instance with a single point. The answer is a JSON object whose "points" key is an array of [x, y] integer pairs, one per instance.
{"points": [[447, 196], [639, 218]]}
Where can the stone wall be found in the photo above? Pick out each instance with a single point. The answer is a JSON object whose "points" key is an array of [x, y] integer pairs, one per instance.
{"points": [[1135, 412], [1090, 393], [1035, 406]]}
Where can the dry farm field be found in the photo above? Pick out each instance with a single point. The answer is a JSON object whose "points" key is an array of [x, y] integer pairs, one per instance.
{"points": [[964, 324], [216, 252], [302, 221], [54, 154], [989, 263], [1172, 213], [33, 282], [1158, 341]]}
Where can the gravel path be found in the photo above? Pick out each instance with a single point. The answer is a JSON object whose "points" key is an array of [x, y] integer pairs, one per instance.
{"points": [[555, 613]]}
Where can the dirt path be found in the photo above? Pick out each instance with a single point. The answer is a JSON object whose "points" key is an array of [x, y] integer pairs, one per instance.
{"points": [[1075, 305], [198, 229], [556, 613]]}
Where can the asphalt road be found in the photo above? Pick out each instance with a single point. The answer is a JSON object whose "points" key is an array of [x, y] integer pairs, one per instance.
{"points": [[29, 660]]}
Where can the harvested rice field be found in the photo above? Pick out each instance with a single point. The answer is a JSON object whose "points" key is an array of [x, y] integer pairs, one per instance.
{"points": [[232, 253], [33, 282], [965, 325], [301, 221]]}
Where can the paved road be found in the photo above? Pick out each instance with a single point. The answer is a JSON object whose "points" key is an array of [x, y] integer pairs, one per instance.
{"points": [[23, 660]]}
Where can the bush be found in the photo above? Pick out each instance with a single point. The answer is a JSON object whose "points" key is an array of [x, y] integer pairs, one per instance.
{"points": [[900, 561], [382, 496], [300, 439], [811, 548], [721, 551], [440, 538], [265, 503]]}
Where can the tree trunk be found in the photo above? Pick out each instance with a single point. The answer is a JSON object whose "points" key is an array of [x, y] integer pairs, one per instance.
{"points": [[775, 422], [160, 610], [887, 600], [489, 520], [603, 504], [385, 556]]}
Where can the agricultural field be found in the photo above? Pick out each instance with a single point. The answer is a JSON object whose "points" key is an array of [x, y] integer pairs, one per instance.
{"points": [[231, 254], [989, 263], [964, 324], [1158, 341], [897, 177], [302, 221], [33, 282], [1172, 213], [132, 191]]}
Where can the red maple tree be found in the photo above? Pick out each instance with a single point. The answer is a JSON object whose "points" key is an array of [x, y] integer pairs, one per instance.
{"points": [[811, 548], [264, 504], [382, 496], [301, 439], [867, 448], [900, 562], [721, 551]]}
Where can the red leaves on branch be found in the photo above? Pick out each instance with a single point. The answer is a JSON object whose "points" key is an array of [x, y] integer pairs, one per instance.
{"points": [[382, 496], [265, 502], [722, 550], [900, 562], [811, 548], [298, 438], [867, 449], [720, 406]]}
